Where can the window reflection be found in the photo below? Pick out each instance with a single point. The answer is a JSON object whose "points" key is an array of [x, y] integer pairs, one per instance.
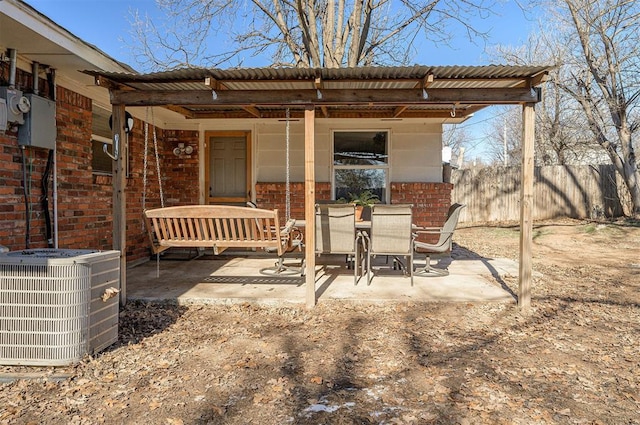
{"points": [[361, 163]]}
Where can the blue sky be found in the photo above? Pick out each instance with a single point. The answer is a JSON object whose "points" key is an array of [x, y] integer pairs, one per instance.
{"points": [[106, 24]]}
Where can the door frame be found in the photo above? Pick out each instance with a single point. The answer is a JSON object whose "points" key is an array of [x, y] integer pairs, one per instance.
{"points": [[207, 167]]}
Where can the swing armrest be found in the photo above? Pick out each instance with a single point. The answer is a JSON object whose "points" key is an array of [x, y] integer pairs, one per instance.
{"points": [[288, 227], [291, 235]]}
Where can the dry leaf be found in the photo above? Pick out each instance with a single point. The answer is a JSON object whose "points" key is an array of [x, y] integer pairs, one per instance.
{"points": [[316, 380]]}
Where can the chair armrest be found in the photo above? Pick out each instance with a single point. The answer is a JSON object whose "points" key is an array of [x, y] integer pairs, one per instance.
{"points": [[417, 231], [431, 230]]}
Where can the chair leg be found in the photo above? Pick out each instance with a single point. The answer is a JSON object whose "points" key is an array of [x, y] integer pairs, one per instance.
{"points": [[430, 271], [356, 260], [410, 263]]}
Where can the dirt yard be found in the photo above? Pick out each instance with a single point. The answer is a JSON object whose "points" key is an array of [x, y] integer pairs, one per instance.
{"points": [[575, 359]]}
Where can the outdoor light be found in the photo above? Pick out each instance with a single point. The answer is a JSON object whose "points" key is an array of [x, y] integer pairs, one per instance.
{"points": [[128, 122], [182, 149], [446, 154]]}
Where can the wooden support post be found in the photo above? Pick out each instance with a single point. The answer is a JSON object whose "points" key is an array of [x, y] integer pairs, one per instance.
{"points": [[309, 204], [119, 196], [526, 207]]}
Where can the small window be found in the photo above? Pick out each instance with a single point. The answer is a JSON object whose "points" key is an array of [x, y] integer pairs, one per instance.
{"points": [[100, 134], [360, 163]]}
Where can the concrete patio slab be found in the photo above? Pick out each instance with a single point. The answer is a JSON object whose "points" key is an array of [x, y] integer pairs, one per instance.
{"points": [[228, 279]]}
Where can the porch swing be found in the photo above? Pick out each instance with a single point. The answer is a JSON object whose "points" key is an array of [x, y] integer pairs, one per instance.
{"points": [[219, 226]]}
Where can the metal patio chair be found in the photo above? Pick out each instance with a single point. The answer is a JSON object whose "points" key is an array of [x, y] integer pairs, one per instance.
{"points": [[391, 235], [336, 233], [442, 246]]}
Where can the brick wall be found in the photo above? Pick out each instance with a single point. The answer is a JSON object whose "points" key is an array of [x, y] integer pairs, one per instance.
{"points": [[179, 179], [84, 202], [430, 201], [273, 195]]}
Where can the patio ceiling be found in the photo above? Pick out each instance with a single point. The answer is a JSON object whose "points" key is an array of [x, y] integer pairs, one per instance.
{"points": [[368, 92]]}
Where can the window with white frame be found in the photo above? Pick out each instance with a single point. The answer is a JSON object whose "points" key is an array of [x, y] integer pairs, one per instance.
{"points": [[100, 134], [360, 163]]}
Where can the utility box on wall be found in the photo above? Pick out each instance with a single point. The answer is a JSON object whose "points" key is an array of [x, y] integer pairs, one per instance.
{"points": [[16, 104], [39, 128]]}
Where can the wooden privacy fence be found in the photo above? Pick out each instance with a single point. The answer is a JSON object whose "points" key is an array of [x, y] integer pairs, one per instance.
{"points": [[493, 193]]}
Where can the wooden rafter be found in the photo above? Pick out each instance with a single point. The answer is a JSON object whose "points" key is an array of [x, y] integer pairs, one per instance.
{"points": [[325, 112], [255, 113], [187, 113], [212, 83], [426, 82], [398, 97], [399, 110]]}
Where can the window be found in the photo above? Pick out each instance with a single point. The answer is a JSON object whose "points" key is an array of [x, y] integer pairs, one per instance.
{"points": [[360, 162], [100, 134]]}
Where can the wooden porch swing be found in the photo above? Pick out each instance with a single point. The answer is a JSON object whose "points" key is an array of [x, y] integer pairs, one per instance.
{"points": [[219, 226]]}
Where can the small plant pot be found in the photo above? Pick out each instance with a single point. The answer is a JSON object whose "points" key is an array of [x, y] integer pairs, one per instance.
{"points": [[359, 209]]}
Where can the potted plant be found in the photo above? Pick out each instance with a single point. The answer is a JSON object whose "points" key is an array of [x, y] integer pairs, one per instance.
{"points": [[363, 199]]}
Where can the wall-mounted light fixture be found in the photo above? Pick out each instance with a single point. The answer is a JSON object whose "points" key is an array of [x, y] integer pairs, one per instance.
{"points": [[128, 122], [128, 125], [182, 149]]}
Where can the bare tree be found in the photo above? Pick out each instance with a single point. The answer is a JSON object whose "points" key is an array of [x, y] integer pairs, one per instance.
{"points": [[299, 33], [562, 135], [605, 77], [457, 138]]}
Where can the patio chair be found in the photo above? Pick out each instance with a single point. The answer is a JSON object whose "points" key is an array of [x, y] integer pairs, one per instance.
{"points": [[391, 235], [336, 233], [444, 244]]}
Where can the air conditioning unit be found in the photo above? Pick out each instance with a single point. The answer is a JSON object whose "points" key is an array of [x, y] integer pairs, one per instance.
{"points": [[56, 305]]}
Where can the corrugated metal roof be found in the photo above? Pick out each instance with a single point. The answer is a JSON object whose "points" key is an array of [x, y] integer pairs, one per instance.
{"points": [[338, 80], [488, 72]]}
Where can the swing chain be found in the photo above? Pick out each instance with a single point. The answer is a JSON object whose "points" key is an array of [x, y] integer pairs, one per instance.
{"points": [[144, 172], [288, 174], [155, 147]]}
